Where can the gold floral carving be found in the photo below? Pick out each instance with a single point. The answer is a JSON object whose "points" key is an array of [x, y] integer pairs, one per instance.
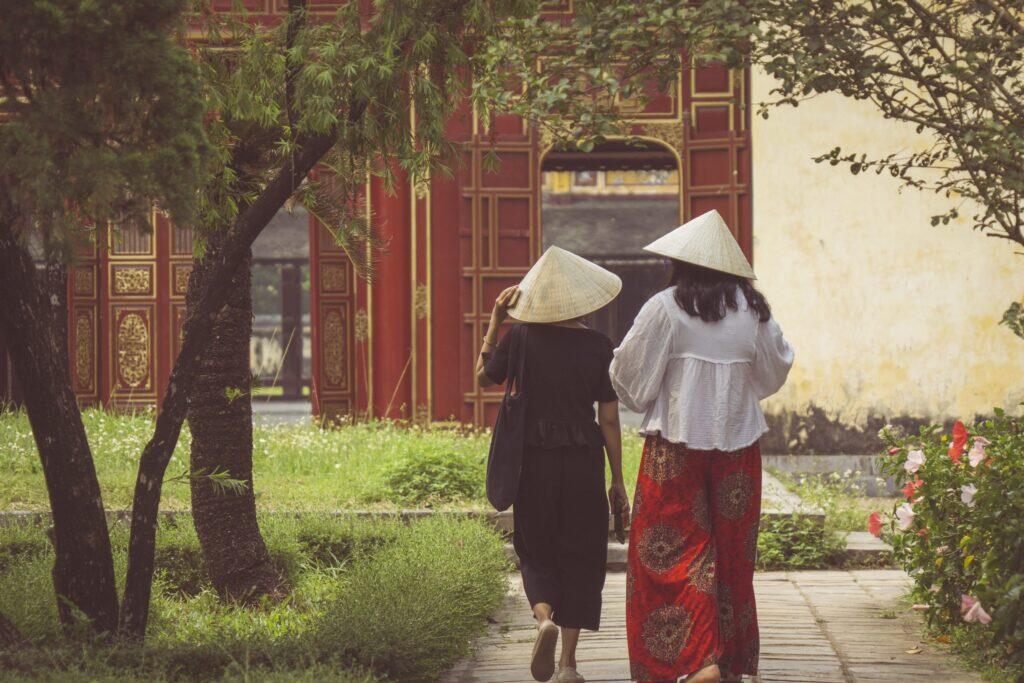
{"points": [[672, 134], [133, 350], [421, 301], [83, 283], [334, 346], [333, 277], [362, 325], [132, 280], [181, 274], [83, 352], [421, 186], [547, 138], [629, 105]]}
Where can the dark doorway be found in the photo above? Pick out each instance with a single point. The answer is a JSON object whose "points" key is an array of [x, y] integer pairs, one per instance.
{"points": [[605, 205], [281, 348]]}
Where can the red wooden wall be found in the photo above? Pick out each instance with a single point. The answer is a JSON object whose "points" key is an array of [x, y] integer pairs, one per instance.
{"points": [[492, 221], [404, 344], [126, 301], [338, 379]]}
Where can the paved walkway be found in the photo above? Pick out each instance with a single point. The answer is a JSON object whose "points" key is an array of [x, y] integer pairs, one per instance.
{"points": [[838, 626]]}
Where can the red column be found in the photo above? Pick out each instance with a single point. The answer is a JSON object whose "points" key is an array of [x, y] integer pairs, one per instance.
{"points": [[391, 308]]}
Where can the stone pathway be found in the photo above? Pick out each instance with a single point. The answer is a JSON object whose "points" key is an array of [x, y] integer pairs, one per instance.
{"points": [[816, 626]]}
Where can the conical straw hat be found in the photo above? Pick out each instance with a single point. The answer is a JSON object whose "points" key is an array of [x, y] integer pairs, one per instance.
{"points": [[705, 241], [563, 286]]}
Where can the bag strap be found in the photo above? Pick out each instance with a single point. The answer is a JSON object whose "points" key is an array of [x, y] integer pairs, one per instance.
{"points": [[517, 362]]}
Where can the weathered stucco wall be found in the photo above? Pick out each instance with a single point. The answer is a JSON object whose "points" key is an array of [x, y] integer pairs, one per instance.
{"points": [[891, 318]]}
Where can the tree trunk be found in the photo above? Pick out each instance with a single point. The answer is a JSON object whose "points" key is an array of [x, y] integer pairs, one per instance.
{"points": [[209, 298], [83, 571], [233, 550]]}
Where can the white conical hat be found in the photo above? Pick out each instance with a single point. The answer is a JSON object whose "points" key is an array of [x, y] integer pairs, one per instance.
{"points": [[563, 286], [705, 241]]}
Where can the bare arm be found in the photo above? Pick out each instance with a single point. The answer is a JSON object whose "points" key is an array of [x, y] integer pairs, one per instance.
{"points": [[608, 420], [506, 299]]}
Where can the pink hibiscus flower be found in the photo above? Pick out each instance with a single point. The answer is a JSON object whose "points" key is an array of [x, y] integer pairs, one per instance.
{"points": [[904, 516], [914, 461], [971, 610], [967, 492], [977, 452]]}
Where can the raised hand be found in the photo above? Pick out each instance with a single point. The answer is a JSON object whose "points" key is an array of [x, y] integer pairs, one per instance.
{"points": [[505, 300]]}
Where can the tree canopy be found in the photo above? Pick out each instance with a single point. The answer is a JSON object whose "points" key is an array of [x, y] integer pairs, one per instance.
{"points": [[383, 86], [950, 68], [101, 113]]}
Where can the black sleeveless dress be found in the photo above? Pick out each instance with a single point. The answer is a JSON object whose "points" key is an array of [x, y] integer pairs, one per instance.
{"points": [[561, 512]]}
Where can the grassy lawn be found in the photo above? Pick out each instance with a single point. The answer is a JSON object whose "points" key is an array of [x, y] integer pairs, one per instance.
{"points": [[364, 601], [367, 465]]}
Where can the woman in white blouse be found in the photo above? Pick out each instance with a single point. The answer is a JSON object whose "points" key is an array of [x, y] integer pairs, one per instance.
{"points": [[698, 359]]}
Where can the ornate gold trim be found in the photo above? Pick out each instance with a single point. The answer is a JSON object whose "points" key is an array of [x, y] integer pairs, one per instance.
{"points": [[369, 304], [85, 348], [133, 280], [84, 281], [133, 350], [333, 347], [672, 135], [180, 273], [333, 278]]}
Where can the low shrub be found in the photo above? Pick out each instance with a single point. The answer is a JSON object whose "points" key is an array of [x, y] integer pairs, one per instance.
{"points": [[796, 542], [404, 600], [411, 609], [435, 477], [960, 531], [838, 494], [179, 559], [21, 540], [27, 597], [331, 541]]}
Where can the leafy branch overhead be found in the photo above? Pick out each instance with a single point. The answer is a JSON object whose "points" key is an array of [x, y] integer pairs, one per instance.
{"points": [[952, 68], [100, 116], [220, 480], [385, 87]]}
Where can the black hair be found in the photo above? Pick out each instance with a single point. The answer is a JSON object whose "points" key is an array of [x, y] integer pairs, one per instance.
{"points": [[708, 294]]}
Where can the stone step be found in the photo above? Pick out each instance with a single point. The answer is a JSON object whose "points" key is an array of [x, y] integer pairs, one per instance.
{"points": [[865, 550]]}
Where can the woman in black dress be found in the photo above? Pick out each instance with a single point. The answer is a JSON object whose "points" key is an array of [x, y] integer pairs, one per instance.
{"points": [[561, 512]]}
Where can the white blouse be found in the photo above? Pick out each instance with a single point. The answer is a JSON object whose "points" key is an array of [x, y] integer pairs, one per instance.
{"points": [[699, 383]]}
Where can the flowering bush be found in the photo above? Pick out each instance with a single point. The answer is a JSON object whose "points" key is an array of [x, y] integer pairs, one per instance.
{"points": [[960, 530]]}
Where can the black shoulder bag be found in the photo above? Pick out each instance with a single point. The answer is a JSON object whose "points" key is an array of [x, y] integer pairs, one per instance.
{"points": [[508, 439]]}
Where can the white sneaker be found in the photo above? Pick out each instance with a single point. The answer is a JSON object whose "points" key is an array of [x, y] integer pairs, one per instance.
{"points": [[542, 663], [567, 674]]}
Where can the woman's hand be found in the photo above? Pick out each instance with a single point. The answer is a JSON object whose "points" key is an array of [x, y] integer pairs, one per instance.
{"points": [[505, 300], [619, 500]]}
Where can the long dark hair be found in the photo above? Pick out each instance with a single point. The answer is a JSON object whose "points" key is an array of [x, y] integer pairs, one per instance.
{"points": [[708, 294]]}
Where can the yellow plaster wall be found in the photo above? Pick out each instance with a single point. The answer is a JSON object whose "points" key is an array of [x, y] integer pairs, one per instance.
{"points": [[888, 314]]}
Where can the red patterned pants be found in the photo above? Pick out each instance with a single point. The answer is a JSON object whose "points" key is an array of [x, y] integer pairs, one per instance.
{"points": [[692, 547]]}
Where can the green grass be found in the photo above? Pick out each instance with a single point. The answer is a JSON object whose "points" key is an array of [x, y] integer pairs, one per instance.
{"points": [[796, 542], [367, 601], [296, 467], [838, 496], [974, 648]]}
